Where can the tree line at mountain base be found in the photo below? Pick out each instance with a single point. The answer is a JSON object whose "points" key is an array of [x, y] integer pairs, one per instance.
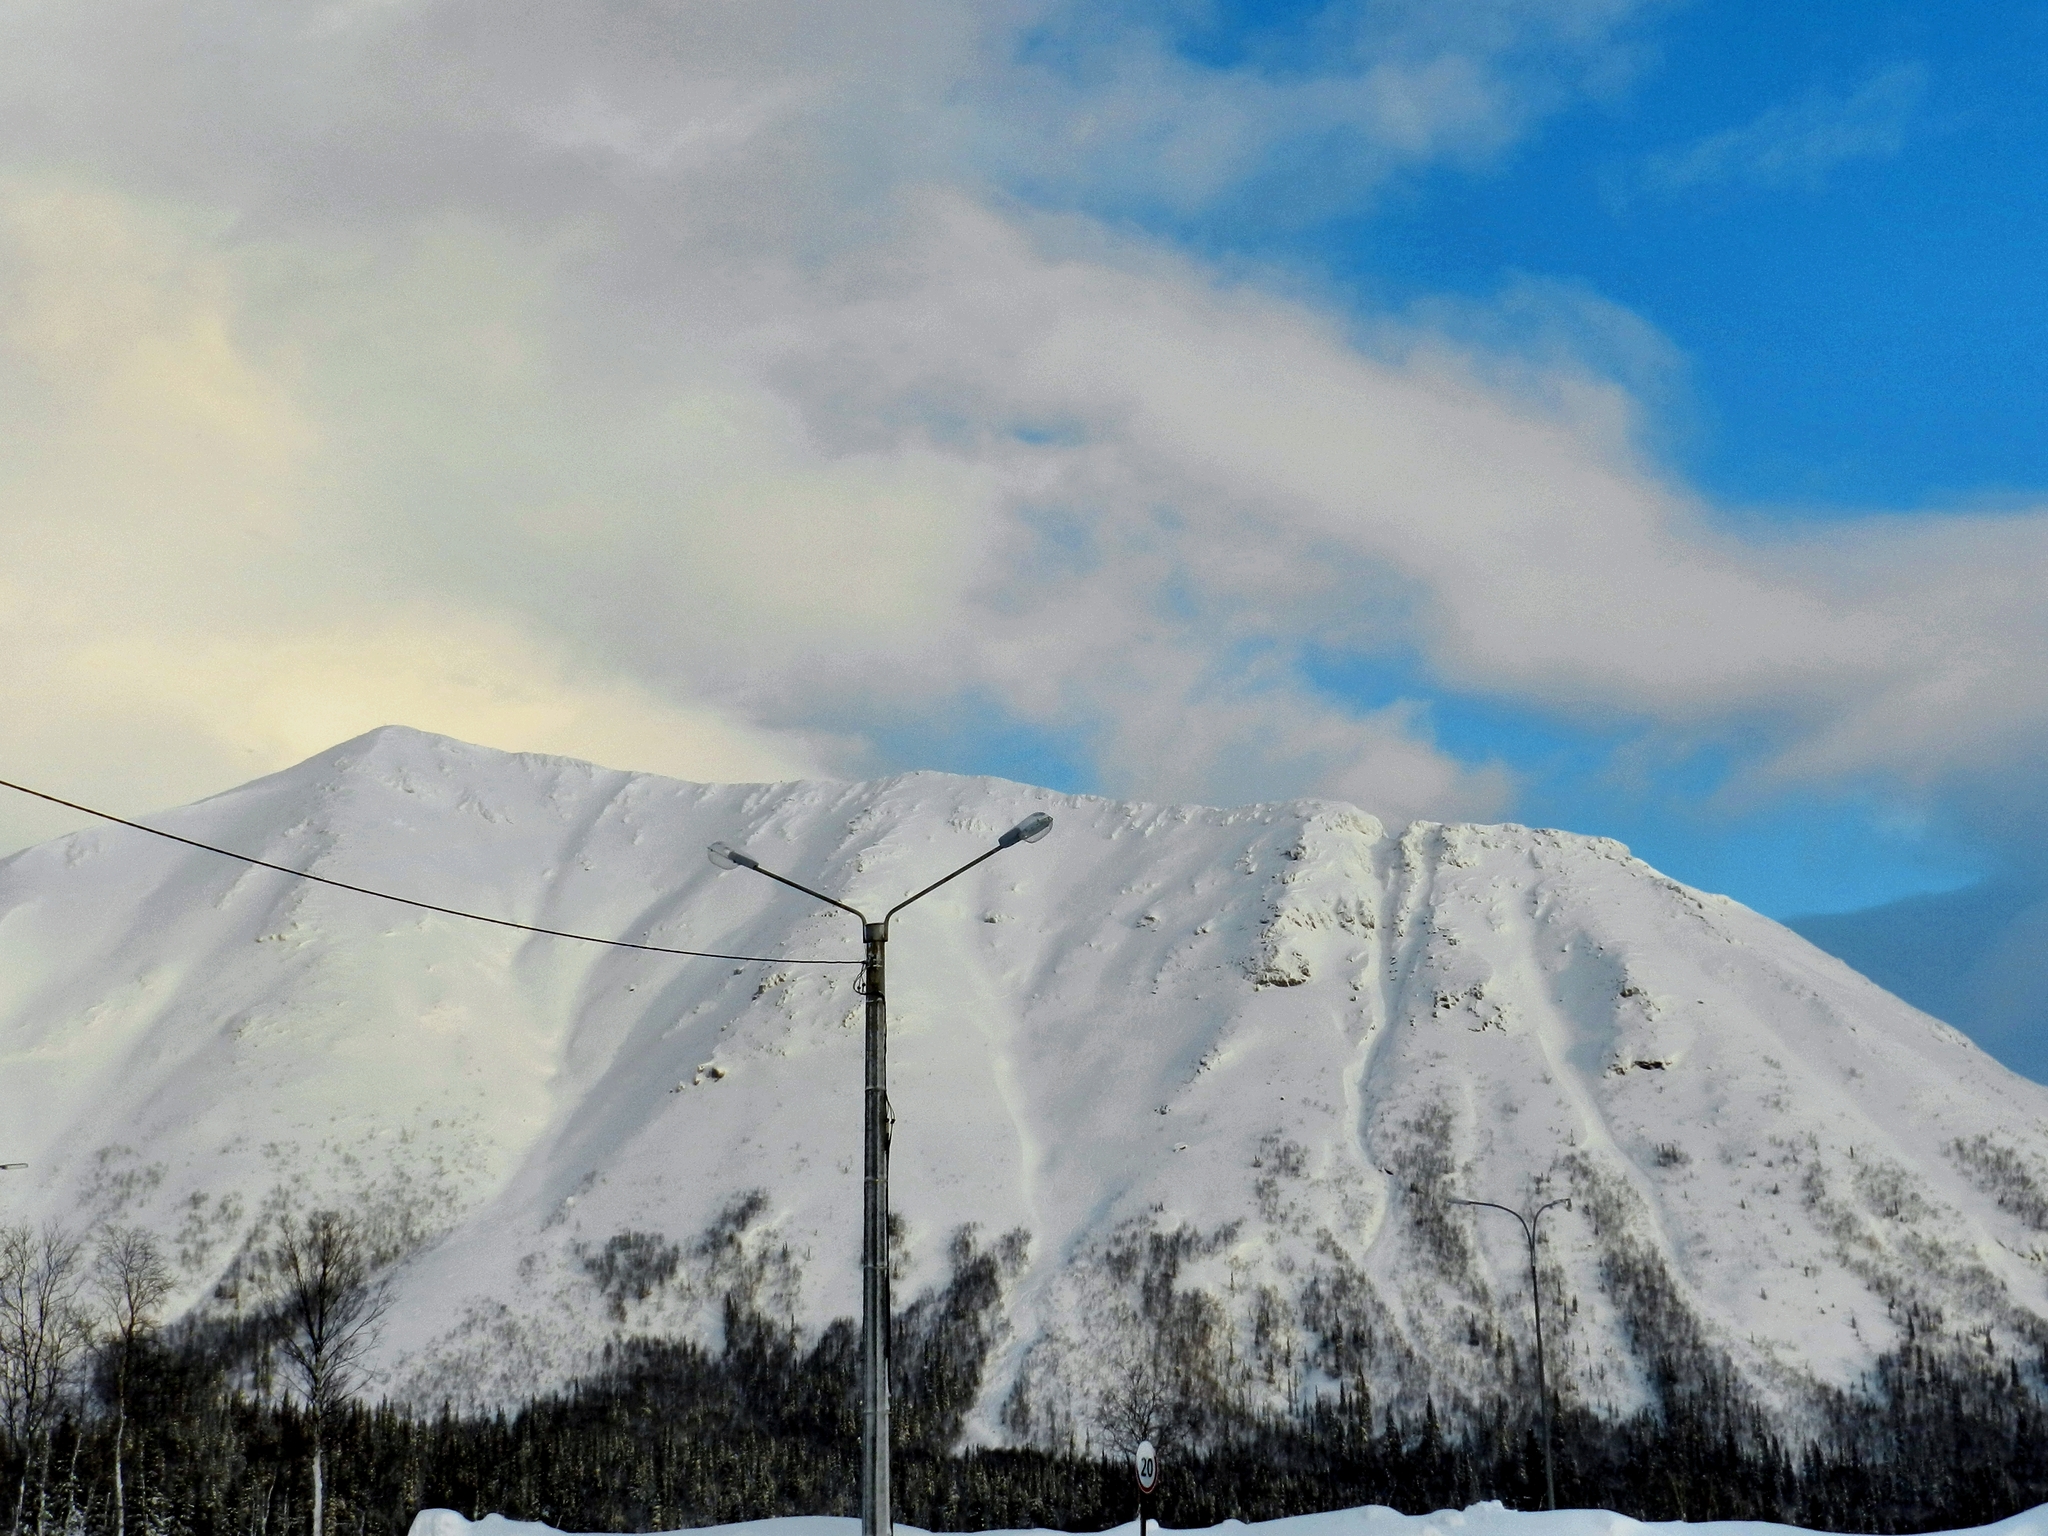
{"points": [[240, 1420], [670, 1434]]}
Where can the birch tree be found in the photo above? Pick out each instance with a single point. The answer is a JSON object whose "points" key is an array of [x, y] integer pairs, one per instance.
{"points": [[44, 1335], [330, 1305], [133, 1282]]}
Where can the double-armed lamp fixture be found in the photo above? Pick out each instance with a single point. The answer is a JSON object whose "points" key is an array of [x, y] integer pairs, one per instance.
{"points": [[876, 1518]]}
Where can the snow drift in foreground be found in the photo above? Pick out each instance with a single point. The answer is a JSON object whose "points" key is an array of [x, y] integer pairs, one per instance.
{"points": [[1488, 1519]]}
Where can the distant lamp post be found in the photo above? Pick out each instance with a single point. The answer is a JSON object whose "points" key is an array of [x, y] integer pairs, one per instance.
{"points": [[876, 1518], [1530, 1224]]}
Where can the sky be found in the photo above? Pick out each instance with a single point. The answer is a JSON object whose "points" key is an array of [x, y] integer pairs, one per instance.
{"points": [[1615, 414]]}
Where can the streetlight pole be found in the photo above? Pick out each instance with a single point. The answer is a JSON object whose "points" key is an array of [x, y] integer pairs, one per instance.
{"points": [[876, 1517], [1530, 1224]]}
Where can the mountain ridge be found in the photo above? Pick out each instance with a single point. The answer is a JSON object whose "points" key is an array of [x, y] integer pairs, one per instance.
{"points": [[1201, 1079]]}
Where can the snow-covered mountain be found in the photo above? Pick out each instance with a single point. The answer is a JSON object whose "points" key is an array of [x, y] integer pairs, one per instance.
{"points": [[1205, 1080]]}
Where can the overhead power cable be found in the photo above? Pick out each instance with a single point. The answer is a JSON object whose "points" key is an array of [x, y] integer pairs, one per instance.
{"points": [[407, 901]]}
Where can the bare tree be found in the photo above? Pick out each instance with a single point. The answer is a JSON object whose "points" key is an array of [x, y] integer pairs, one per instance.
{"points": [[44, 1334], [133, 1282], [330, 1306], [1138, 1404]]}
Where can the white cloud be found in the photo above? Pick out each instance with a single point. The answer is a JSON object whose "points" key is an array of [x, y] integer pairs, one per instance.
{"points": [[676, 392], [1507, 531], [1796, 144], [1105, 107], [194, 593]]}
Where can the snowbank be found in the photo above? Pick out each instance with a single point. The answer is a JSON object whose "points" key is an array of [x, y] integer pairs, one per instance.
{"points": [[1489, 1519]]}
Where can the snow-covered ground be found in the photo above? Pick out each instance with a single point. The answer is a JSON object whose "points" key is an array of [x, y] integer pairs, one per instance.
{"points": [[1489, 1519], [1242, 1057]]}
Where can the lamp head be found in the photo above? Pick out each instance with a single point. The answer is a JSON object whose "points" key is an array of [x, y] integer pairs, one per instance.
{"points": [[1029, 830], [724, 856]]}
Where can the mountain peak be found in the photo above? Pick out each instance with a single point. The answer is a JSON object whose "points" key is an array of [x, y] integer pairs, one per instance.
{"points": [[1236, 1063]]}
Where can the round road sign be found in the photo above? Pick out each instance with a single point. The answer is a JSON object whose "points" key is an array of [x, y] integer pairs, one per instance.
{"points": [[1146, 1462]]}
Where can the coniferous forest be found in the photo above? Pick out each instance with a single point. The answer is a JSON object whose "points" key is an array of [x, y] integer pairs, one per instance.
{"points": [[210, 1427]]}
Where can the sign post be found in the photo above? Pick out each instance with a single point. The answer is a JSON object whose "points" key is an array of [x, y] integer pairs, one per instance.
{"points": [[1145, 1462]]}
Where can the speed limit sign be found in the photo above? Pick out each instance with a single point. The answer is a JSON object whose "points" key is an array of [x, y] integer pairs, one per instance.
{"points": [[1146, 1462]]}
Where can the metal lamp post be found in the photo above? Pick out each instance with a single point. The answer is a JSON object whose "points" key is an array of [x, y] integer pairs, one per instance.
{"points": [[876, 1518], [1529, 1229]]}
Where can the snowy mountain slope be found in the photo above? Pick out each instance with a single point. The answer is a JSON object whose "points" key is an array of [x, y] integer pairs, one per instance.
{"points": [[1219, 1068]]}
